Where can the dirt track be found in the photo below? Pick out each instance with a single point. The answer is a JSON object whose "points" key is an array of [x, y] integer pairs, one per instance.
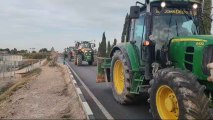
{"points": [[46, 96]]}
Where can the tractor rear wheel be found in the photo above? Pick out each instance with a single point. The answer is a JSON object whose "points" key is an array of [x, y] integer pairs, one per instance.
{"points": [[75, 59], [79, 60], [176, 94], [120, 77], [90, 62]]}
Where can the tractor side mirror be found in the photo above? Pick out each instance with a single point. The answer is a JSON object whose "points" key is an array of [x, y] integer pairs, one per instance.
{"points": [[134, 12]]}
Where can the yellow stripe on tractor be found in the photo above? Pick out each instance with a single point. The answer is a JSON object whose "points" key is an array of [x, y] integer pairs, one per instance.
{"points": [[188, 40]]}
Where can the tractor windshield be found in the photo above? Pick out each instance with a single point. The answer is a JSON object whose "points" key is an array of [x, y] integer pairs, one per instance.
{"points": [[170, 23], [85, 45]]}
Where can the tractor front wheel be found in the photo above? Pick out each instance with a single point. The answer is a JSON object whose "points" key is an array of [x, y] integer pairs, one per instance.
{"points": [[90, 62], [79, 60], [176, 94], [75, 59], [120, 77]]}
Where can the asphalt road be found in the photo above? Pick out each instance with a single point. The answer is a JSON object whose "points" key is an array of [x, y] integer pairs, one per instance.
{"points": [[103, 93]]}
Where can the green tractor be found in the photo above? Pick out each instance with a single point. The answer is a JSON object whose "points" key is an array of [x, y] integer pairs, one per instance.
{"points": [[165, 54], [70, 53], [84, 52]]}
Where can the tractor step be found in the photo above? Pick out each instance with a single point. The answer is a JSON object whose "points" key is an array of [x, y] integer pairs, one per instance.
{"points": [[144, 88]]}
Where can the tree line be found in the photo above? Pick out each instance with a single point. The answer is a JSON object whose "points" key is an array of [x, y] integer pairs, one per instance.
{"points": [[206, 17], [105, 47], [16, 51]]}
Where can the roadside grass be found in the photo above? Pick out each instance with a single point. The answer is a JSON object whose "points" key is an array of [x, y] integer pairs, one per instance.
{"points": [[25, 78], [53, 63], [68, 91], [32, 73]]}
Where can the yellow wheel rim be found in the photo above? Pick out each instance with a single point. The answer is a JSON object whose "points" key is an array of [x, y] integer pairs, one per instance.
{"points": [[167, 104], [118, 77]]}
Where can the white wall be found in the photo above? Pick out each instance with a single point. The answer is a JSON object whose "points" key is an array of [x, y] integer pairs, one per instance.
{"points": [[12, 58]]}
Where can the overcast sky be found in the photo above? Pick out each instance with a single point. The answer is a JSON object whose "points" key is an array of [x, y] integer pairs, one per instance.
{"points": [[45, 23]]}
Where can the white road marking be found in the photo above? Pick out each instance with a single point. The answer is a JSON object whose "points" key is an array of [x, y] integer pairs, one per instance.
{"points": [[101, 107], [74, 81], [88, 110], [78, 90]]}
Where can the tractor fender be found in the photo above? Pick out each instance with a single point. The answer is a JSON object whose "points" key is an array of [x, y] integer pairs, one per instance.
{"points": [[130, 53], [122, 49]]}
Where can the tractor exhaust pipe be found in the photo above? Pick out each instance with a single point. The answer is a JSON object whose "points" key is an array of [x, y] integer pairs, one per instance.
{"points": [[203, 3], [210, 66]]}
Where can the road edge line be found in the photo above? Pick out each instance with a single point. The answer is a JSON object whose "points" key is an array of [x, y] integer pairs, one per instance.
{"points": [[84, 104], [101, 107]]}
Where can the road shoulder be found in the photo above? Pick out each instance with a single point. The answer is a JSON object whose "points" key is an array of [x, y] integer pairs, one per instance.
{"points": [[46, 96]]}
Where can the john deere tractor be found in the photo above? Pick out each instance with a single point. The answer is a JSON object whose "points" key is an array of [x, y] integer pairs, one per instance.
{"points": [[70, 53], [165, 53], [84, 52]]}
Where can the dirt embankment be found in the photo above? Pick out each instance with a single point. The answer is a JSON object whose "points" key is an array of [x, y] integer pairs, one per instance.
{"points": [[46, 96]]}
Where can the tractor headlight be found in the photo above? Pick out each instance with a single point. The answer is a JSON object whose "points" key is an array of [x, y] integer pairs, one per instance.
{"points": [[195, 6], [163, 4]]}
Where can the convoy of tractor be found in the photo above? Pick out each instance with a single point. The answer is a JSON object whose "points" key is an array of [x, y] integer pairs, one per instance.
{"points": [[166, 53], [82, 52], [70, 53]]}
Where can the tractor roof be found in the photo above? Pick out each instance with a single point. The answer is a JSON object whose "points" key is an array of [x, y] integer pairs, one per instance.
{"points": [[85, 41], [196, 1]]}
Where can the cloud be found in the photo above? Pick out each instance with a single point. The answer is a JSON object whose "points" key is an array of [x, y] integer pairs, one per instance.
{"points": [[46, 23]]}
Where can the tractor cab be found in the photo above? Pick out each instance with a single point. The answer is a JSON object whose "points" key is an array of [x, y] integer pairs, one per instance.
{"points": [[85, 45], [154, 25], [156, 22], [168, 23]]}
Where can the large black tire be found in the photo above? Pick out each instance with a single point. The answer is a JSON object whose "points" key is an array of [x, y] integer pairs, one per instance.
{"points": [[79, 60], [75, 59], [125, 97], [191, 99], [90, 63]]}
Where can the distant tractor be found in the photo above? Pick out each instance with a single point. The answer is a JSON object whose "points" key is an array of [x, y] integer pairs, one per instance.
{"points": [[71, 53], [165, 54], [84, 52]]}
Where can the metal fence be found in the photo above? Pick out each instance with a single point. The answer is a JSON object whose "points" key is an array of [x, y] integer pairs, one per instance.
{"points": [[12, 65], [7, 68]]}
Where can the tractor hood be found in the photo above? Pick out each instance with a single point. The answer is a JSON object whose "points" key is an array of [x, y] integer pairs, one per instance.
{"points": [[195, 38], [193, 53]]}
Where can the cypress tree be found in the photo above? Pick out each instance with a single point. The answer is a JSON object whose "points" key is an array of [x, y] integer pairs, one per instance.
{"points": [[108, 48], [206, 20], [102, 46], [99, 49], [114, 42]]}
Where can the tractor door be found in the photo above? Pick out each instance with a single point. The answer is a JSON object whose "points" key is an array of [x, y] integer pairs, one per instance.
{"points": [[138, 31]]}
